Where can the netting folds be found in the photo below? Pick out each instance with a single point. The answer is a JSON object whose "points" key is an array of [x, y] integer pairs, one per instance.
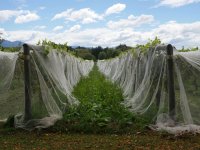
{"points": [[144, 78], [52, 78], [7, 69]]}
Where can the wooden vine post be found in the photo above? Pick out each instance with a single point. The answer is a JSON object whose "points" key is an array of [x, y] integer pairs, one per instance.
{"points": [[27, 83], [170, 76]]}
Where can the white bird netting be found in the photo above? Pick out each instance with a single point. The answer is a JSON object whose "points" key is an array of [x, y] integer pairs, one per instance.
{"points": [[143, 76], [53, 77], [143, 79]]}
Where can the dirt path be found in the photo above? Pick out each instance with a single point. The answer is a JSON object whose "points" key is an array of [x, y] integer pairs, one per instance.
{"points": [[150, 140]]}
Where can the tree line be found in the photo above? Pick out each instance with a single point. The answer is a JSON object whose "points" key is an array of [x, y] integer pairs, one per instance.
{"points": [[93, 53]]}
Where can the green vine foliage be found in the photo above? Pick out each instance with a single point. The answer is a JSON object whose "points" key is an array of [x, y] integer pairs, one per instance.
{"points": [[10, 49], [151, 43], [188, 49], [51, 45]]}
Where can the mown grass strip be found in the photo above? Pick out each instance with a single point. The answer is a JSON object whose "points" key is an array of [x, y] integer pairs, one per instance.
{"points": [[100, 108]]}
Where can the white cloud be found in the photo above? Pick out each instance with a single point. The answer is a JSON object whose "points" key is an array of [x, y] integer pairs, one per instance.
{"points": [[6, 15], [176, 3], [57, 28], [85, 15], [27, 17], [21, 16], [2, 32], [131, 21], [39, 27], [114, 9], [75, 28], [28, 36], [178, 34]]}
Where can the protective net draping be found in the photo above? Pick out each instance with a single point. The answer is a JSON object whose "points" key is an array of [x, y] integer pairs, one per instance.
{"points": [[143, 76], [53, 77]]}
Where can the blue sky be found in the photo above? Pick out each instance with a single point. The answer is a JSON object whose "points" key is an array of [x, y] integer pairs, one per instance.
{"points": [[101, 22]]}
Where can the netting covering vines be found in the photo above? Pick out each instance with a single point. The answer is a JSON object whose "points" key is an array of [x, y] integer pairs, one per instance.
{"points": [[144, 78], [53, 77]]}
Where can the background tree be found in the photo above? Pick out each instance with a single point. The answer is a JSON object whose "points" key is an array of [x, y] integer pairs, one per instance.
{"points": [[84, 53], [102, 55], [95, 51], [122, 47]]}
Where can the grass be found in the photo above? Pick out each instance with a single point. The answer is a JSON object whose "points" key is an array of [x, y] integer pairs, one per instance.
{"points": [[100, 109]]}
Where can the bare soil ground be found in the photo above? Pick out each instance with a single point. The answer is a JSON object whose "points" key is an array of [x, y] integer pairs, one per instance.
{"points": [[25, 140]]}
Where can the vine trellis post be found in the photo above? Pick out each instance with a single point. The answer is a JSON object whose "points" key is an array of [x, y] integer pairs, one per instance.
{"points": [[170, 77], [27, 83]]}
